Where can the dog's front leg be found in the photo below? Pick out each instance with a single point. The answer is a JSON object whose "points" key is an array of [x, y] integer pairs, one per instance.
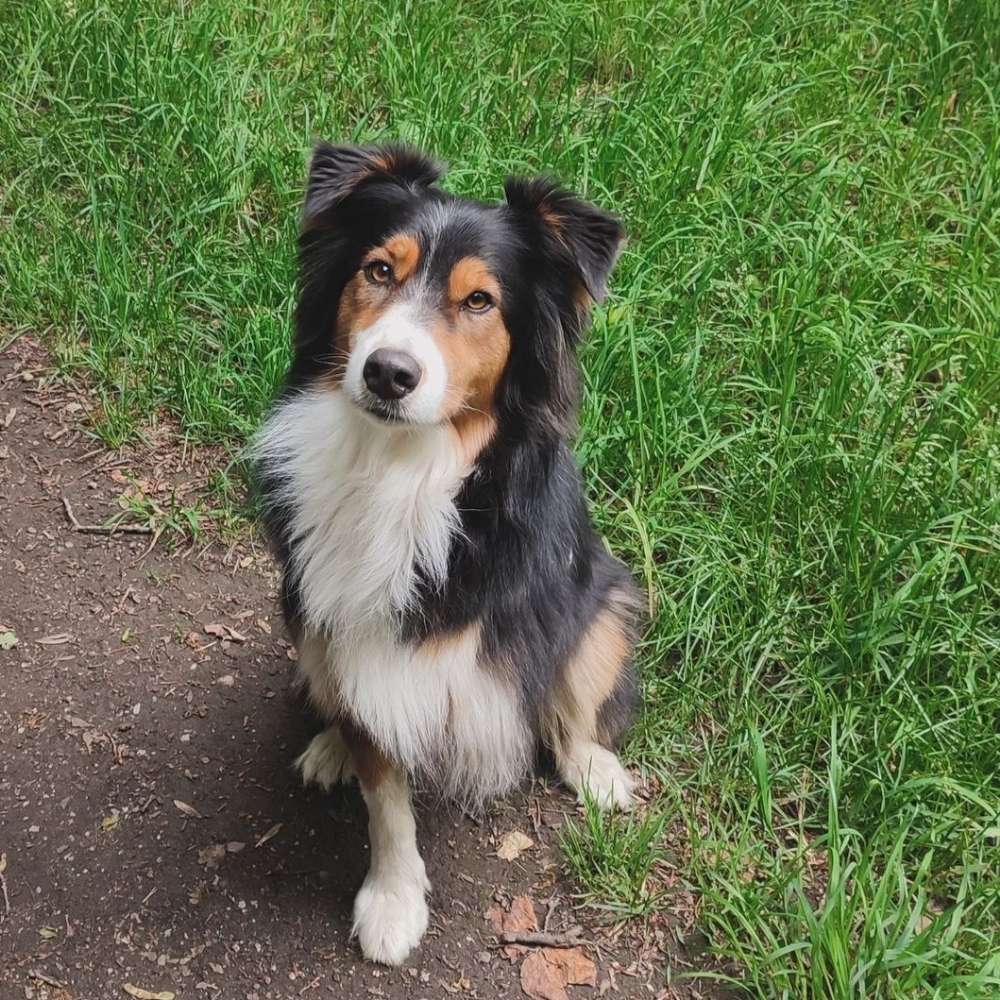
{"points": [[390, 911]]}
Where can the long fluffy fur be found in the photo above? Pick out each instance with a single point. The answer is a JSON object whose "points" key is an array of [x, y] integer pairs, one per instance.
{"points": [[449, 596]]}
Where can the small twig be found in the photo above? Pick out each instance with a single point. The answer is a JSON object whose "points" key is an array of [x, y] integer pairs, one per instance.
{"points": [[93, 453], [102, 529], [48, 980], [541, 939], [3, 884], [103, 465], [301, 873]]}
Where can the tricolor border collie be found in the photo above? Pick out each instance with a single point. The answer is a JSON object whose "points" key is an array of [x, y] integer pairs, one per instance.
{"points": [[453, 608]]}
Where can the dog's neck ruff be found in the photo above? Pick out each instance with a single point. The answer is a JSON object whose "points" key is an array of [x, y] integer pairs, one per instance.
{"points": [[370, 517], [371, 509]]}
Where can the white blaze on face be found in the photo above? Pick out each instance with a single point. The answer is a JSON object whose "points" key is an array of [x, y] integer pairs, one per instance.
{"points": [[401, 328]]}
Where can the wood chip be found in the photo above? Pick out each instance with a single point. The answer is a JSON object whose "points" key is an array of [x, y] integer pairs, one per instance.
{"points": [[54, 640], [188, 810], [48, 980], [140, 994], [273, 832]]}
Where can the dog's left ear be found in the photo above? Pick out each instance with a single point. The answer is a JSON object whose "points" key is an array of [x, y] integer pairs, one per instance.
{"points": [[336, 172], [591, 237]]}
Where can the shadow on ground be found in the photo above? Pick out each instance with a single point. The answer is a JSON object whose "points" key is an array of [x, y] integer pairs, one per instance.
{"points": [[134, 746]]}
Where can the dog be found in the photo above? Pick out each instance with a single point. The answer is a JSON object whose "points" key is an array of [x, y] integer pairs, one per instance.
{"points": [[453, 608]]}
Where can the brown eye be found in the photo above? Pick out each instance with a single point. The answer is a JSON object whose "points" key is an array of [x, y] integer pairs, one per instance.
{"points": [[478, 302], [378, 272]]}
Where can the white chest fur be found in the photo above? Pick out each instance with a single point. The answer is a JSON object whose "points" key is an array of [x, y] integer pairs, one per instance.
{"points": [[368, 504]]}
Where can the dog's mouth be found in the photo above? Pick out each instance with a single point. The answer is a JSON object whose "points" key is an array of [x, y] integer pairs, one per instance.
{"points": [[384, 411]]}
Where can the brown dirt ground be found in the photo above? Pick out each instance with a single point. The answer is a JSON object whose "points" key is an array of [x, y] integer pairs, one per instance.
{"points": [[115, 702]]}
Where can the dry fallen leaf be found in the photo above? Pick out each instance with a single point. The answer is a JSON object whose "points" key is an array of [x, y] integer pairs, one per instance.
{"points": [[224, 632], [188, 810], [140, 994], [546, 973], [513, 845], [235, 846], [541, 980], [521, 916], [193, 641], [273, 832], [519, 919], [578, 968]]}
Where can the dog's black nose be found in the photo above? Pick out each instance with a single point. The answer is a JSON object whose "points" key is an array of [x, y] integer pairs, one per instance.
{"points": [[391, 374]]}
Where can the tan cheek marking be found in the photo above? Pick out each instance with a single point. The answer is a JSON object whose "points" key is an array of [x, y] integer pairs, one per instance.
{"points": [[475, 348], [361, 304], [473, 432], [475, 351], [404, 250]]}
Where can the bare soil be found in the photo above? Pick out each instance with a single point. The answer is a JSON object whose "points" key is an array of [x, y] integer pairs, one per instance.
{"points": [[135, 746]]}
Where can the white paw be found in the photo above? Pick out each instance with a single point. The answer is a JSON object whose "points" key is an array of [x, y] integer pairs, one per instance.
{"points": [[600, 772], [390, 916], [326, 761]]}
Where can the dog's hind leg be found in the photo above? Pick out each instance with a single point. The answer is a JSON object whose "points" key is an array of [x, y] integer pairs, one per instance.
{"points": [[390, 910], [592, 705]]}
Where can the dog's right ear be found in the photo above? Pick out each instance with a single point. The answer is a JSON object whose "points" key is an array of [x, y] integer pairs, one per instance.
{"points": [[337, 171]]}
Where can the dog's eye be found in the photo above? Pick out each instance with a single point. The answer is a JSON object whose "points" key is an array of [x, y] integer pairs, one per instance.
{"points": [[478, 301], [378, 272]]}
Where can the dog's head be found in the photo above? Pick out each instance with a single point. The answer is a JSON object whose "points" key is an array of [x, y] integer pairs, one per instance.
{"points": [[427, 309]]}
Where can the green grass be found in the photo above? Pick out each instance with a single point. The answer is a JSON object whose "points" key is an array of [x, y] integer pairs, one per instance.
{"points": [[791, 419]]}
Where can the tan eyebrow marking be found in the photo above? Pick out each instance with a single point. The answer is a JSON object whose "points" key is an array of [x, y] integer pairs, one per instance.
{"points": [[404, 251], [469, 275]]}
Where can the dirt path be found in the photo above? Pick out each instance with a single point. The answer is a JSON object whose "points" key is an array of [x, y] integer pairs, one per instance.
{"points": [[134, 746]]}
